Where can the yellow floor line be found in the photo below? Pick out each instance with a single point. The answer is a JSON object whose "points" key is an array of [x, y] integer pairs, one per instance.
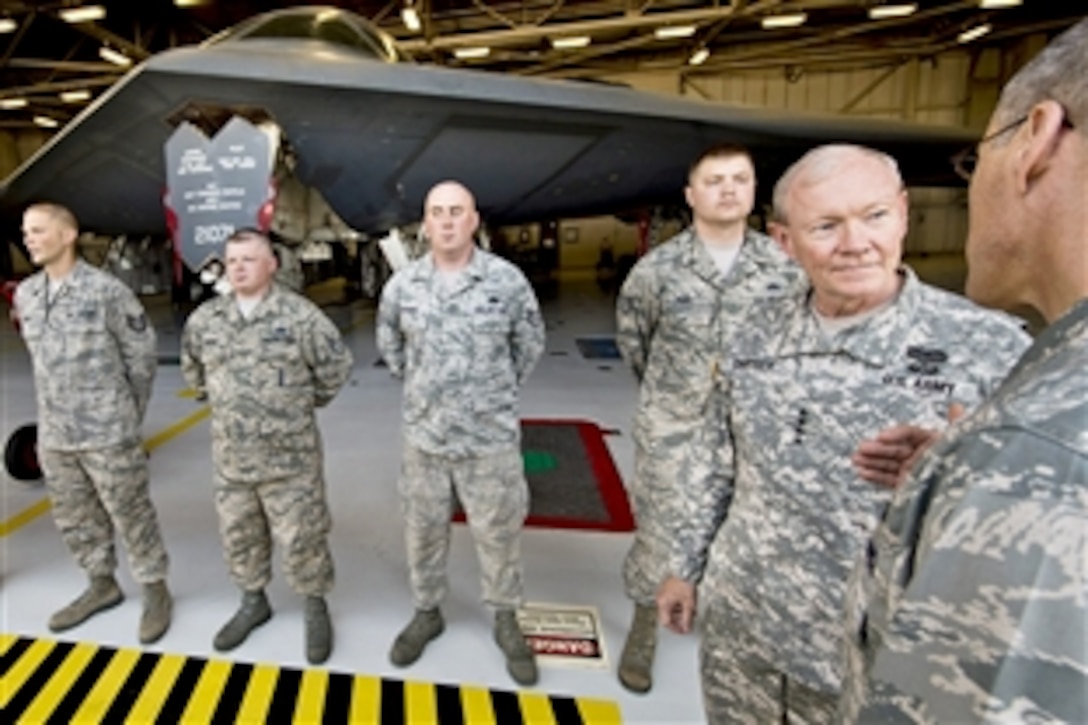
{"points": [[173, 431], [35, 510], [24, 517]]}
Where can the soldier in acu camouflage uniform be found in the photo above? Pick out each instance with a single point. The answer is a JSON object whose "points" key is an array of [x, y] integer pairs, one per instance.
{"points": [[675, 316], [971, 605], [265, 358], [864, 345], [94, 362], [463, 329]]}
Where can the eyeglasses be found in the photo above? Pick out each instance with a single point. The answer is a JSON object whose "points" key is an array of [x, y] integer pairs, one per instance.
{"points": [[965, 161]]}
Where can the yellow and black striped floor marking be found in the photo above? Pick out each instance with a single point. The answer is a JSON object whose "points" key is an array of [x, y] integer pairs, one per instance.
{"points": [[46, 681]]}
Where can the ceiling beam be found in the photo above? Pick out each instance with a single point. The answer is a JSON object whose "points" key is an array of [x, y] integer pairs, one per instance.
{"points": [[527, 33], [96, 31], [57, 86], [17, 38], [70, 66]]}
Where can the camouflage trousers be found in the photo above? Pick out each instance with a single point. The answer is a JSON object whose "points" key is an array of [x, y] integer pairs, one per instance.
{"points": [[495, 495], [661, 461], [96, 492], [292, 510], [740, 685]]}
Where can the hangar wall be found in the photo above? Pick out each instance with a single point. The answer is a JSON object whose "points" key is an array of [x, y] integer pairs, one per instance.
{"points": [[16, 146], [955, 89]]}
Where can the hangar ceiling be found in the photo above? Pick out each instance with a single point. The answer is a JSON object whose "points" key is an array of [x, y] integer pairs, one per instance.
{"points": [[43, 56]]}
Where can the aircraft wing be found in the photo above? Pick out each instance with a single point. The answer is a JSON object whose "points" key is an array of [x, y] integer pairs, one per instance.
{"points": [[373, 137]]}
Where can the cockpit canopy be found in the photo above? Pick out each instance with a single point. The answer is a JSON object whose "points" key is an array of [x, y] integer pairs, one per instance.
{"points": [[328, 24]]}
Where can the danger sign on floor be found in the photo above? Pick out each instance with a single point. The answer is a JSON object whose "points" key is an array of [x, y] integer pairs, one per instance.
{"points": [[564, 635]]}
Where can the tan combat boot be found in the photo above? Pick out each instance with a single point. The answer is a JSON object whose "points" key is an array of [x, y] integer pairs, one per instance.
{"points": [[318, 631], [103, 593], [158, 606], [408, 646], [637, 660], [520, 660], [253, 612]]}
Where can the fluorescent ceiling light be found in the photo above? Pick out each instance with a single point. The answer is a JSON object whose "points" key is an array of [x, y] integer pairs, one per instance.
{"points": [[472, 52], [674, 31], [898, 10], [114, 56], [46, 121], [571, 41], [84, 14], [974, 33], [784, 21], [699, 56], [10, 104], [7, 25], [411, 18], [189, 3], [994, 4], [75, 96]]}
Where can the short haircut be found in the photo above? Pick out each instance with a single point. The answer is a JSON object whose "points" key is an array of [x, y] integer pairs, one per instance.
{"points": [[1059, 72], [59, 212], [249, 234], [820, 163], [718, 151]]}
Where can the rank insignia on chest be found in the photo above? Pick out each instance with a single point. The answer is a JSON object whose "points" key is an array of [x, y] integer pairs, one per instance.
{"points": [[279, 334], [926, 361]]}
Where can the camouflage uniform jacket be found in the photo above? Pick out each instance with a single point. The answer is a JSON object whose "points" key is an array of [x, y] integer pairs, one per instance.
{"points": [[972, 604], [675, 316], [94, 359], [462, 352], [263, 377], [799, 403]]}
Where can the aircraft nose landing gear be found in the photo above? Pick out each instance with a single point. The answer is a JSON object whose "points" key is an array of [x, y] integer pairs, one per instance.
{"points": [[21, 454]]}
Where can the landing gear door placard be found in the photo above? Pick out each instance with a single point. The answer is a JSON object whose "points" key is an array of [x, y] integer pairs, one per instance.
{"points": [[215, 186]]}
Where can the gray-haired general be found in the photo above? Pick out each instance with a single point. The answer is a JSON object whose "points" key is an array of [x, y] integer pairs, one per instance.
{"points": [[675, 315], [862, 345], [972, 605], [266, 358], [463, 329], [94, 357]]}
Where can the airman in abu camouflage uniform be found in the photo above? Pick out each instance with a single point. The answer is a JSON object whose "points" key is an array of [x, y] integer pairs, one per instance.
{"points": [[675, 317], [94, 362], [265, 358], [865, 345], [971, 604], [463, 329]]}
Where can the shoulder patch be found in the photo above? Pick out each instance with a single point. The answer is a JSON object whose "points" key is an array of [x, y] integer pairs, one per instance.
{"points": [[137, 323]]}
